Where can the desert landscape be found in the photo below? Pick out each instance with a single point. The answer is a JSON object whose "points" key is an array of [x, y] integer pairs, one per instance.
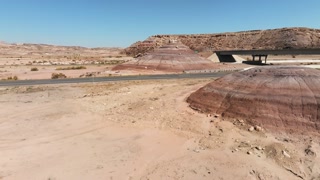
{"points": [[39, 61], [259, 122], [139, 130], [188, 53]]}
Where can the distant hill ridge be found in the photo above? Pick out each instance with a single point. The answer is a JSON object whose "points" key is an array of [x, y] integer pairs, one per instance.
{"points": [[283, 38], [22, 49]]}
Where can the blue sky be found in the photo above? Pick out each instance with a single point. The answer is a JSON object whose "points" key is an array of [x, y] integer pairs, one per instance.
{"points": [[110, 23]]}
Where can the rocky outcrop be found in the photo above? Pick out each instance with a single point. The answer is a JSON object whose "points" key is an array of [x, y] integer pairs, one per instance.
{"points": [[171, 57], [275, 98], [285, 38]]}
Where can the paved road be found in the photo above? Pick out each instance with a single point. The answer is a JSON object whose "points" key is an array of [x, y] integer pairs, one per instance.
{"points": [[110, 79], [295, 61]]}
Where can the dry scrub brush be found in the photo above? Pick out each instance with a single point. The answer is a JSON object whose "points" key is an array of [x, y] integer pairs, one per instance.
{"points": [[34, 69], [71, 68], [58, 76]]}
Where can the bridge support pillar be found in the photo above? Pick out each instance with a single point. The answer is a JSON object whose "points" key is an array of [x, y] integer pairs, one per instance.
{"points": [[260, 57]]}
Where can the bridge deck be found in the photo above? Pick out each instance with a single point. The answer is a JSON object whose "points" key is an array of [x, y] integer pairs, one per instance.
{"points": [[273, 52]]}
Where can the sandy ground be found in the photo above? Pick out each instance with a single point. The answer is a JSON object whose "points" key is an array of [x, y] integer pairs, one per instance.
{"points": [[137, 130], [23, 72], [45, 72], [100, 65], [17, 60]]}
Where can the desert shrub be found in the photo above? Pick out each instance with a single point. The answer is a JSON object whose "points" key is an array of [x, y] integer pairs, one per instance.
{"points": [[34, 69], [12, 78], [71, 68], [113, 62], [58, 76]]}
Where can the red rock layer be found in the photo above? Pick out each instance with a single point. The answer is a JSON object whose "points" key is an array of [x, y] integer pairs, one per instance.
{"points": [[277, 98], [284, 38], [174, 57]]}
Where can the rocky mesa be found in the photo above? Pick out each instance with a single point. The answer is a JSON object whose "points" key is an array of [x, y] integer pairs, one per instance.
{"points": [[284, 38]]}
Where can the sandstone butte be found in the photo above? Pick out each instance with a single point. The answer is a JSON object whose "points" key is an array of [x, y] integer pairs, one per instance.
{"points": [[282, 99], [171, 57], [284, 38]]}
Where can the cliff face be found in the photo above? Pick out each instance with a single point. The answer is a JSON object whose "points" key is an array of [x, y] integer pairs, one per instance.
{"points": [[285, 38]]}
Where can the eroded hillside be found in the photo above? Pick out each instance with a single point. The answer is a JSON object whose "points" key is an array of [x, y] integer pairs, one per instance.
{"points": [[285, 38]]}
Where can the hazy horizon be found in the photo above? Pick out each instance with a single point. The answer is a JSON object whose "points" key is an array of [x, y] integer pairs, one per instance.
{"points": [[96, 23]]}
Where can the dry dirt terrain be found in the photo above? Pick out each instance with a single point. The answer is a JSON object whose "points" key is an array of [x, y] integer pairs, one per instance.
{"points": [[142, 129], [138, 130], [39, 61]]}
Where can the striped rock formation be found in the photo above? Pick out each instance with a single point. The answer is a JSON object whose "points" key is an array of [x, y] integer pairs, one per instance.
{"points": [[276, 98], [172, 57]]}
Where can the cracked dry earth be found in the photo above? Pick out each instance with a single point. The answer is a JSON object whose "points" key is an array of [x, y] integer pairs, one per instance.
{"points": [[138, 130]]}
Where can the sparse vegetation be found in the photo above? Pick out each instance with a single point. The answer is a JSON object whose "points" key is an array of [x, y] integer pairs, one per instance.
{"points": [[71, 68], [112, 62], [34, 69], [58, 76], [11, 78]]}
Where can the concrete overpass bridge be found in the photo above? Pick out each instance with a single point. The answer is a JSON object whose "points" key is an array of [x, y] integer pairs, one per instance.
{"points": [[226, 56]]}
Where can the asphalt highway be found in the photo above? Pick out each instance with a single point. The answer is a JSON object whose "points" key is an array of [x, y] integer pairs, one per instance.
{"points": [[110, 79]]}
